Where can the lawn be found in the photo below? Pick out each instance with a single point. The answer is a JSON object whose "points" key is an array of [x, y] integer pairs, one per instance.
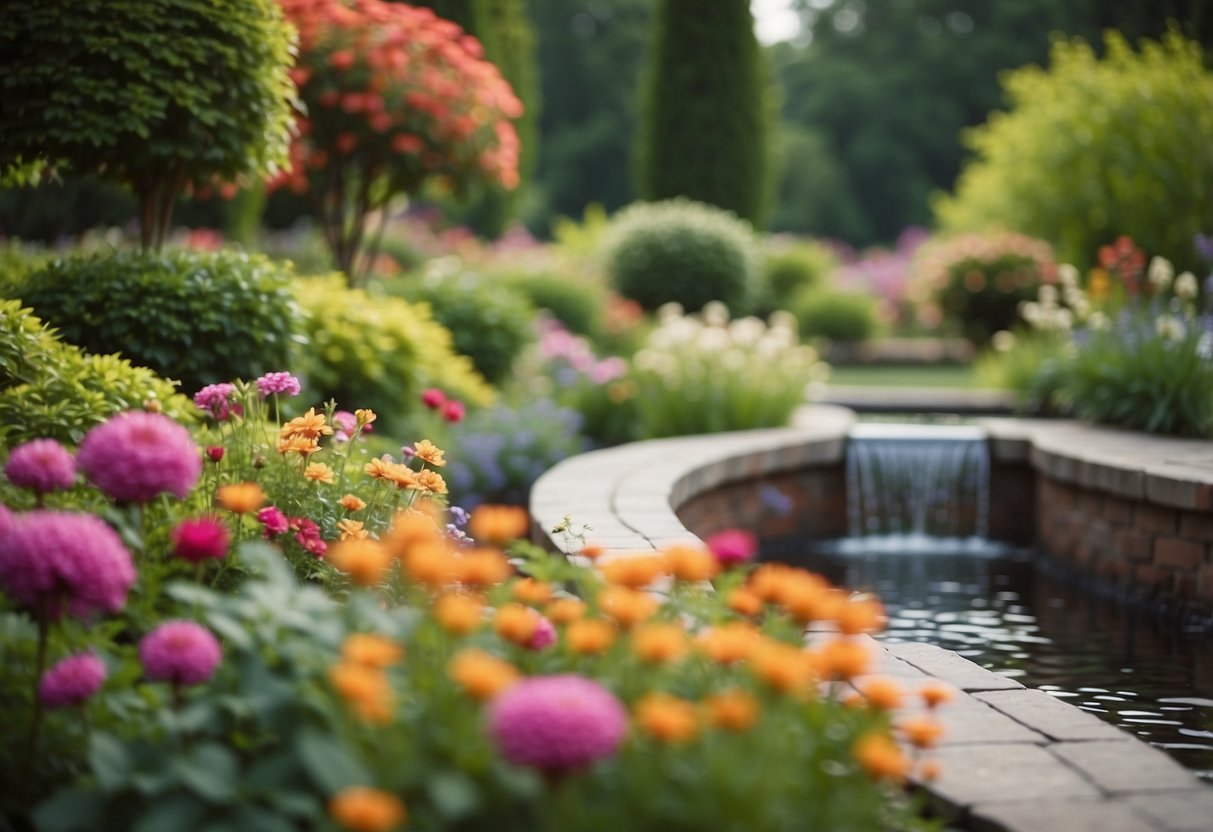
{"points": [[899, 375]]}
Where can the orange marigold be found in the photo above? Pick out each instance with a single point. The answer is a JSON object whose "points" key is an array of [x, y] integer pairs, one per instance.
{"points": [[371, 650], [241, 497], [565, 610], [589, 636], [498, 524], [634, 571], [628, 607], [730, 643], [361, 809], [659, 642], [411, 528], [880, 757], [745, 602], [458, 614], [481, 675], [732, 710], [298, 445], [516, 623], [311, 425], [860, 615], [350, 528], [882, 694], [427, 451], [929, 770], [429, 481], [784, 667], [319, 472], [379, 469], [366, 561], [431, 564], [364, 689], [531, 591], [690, 564], [591, 551], [667, 718], [364, 416], [843, 658], [482, 568], [935, 694], [351, 502], [921, 731]]}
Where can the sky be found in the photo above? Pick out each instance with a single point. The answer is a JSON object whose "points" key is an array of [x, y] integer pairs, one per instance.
{"points": [[774, 20]]}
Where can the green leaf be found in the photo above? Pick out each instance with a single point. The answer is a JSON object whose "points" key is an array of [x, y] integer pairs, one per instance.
{"points": [[210, 771], [328, 763], [69, 810], [109, 761], [454, 794], [177, 811]]}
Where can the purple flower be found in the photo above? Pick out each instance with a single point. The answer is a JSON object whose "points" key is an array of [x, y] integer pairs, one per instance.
{"points": [[200, 538], [458, 516], [56, 557], [71, 681], [556, 723], [274, 521], [218, 400], [136, 455], [278, 383], [42, 465], [181, 652]]}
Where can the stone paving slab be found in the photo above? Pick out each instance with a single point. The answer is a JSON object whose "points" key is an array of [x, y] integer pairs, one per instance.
{"points": [[1190, 810], [1021, 772], [1059, 815], [1125, 766], [1050, 716], [969, 721], [951, 667]]}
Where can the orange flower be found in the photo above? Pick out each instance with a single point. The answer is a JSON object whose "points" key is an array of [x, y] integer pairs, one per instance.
{"points": [[481, 675], [319, 472], [689, 564], [565, 610], [498, 524], [460, 615], [808, 598], [401, 476], [732, 710], [240, 498], [882, 694], [627, 607], [745, 602], [483, 568], [591, 551], [730, 643], [366, 561], [881, 758], [656, 643], [409, 529], [379, 469], [310, 425], [371, 650], [430, 564], [861, 615], [929, 770], [364, 416], [843, 658], [366, 810], [351, 502], [531, 591], [921, 731], [298, 445], [427, 451], [589, 636], [784, 667], [634, 571], [769, 580], [516, 623], [350, 528], [364, 689], [429, 481], [935, 694], [666, 718]]}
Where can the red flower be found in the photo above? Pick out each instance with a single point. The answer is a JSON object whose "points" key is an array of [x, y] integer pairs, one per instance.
{"points": [[433, 398], [453, 411]]}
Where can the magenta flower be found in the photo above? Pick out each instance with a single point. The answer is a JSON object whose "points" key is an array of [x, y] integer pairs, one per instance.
{"points": [[181, 652], [453, 411], [545, 634], [7, 520], [71, 681], [41, 465], [344, 425], [218, 400], [556, 723], [733, 547], [55, 557], [200, 539], [274, 521], [278, 383], [137, 455], [214, 453], [433, 398]]}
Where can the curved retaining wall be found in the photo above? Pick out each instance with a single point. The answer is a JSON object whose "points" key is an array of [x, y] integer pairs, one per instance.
{"points": [[1013, 758]]}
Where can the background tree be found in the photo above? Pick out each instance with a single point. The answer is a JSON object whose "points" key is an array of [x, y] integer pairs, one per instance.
{"points": [[156, 95], [705, 113]]}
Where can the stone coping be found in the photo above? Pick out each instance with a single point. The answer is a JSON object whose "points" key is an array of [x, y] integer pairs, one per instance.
{"points": [[1013, 759]]}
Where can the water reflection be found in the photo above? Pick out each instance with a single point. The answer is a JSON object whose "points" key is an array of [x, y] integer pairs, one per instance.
{"points": [[999, 609]]}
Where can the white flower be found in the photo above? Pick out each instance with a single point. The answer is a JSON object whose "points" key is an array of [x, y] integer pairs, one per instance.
{"points": [[1030, 311], [1097, 321], [712, 339], [1067, 275], [1186, 286], [1160, 273], [783, 319], [1047, 295], [747, 331], [1003, 341], [669, 311], [1169, 328], [715, 313], [1063, 319]]}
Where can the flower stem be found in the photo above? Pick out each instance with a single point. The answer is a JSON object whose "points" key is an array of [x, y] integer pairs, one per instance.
{"points": [[35, 725]]}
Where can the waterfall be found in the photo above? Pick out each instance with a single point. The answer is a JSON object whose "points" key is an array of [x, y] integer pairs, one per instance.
{"points": [[917, 480]]}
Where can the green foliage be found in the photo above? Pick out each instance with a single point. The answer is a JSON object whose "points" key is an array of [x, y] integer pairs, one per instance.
{"points": [[789, 269], [835, 316], [489, 323], [49, 211], [577, 304], [200, 317], [379, 352], [683, 252], [814, 194], [51, 389], [705, 113], [1030, 365], [154, 94], [1093, 148]]}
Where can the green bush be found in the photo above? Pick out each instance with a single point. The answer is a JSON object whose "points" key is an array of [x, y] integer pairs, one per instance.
{"points": [[1096, 148], [51, 389], [577, 304], [199, 317], [489, 323], [836, 316], [378, 352], [789, 269], [681, 251], [1030, 365]]}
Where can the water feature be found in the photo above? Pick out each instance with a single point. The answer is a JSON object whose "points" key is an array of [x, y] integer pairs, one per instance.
{"points": [[1011, 610]]}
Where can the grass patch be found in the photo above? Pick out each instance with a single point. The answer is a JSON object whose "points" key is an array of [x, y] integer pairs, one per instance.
{"points": [[901, 375]]}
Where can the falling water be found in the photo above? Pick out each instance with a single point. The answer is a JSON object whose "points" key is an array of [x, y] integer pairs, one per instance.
{"points": [[917, 481]]}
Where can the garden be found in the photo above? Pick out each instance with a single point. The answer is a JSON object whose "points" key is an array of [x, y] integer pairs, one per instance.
{"points": [[295, 310]]}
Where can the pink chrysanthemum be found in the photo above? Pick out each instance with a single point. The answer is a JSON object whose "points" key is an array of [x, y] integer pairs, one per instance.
{"points": [[274, 521], [557, 723], [733, 547], [181, 652], [545, 634], [57, 557], [7, 520], [42, 465], [218, 400], [137, 455], [200, 539], [271, 383], [433, 398], [71, 681]]}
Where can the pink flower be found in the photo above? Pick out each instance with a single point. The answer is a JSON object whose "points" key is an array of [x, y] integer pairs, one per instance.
{"points": [[733, 547], [214, 453], [7, 520], [278, 383], [201, 538], [344, 425], [545, 634], [433, 398], [137, 455], [557, 723], [274, 520], [41, 465], [181, 652], [218, 400], [55, 557], [453, 411], [71, 681], [307, 535]]}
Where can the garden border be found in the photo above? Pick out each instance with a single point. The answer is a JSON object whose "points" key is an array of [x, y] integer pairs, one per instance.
{"points": [[1013, 759]]}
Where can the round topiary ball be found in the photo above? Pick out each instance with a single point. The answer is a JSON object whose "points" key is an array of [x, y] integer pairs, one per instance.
{"points": [[681, 251]]}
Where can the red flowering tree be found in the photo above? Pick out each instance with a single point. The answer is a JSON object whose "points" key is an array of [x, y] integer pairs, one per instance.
{"points": [[391, 98]]}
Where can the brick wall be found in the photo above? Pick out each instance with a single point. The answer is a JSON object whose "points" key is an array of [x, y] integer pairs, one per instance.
{"points": [[816, 505]]}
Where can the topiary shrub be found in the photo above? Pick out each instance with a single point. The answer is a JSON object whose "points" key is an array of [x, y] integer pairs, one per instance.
{"points": [[53, 390], [578, 304], [683, 252], [378, 352], [489, 322], [837, 316], [788, 269], [199, 317]]}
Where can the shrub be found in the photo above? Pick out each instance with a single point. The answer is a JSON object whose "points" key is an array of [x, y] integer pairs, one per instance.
{"points": [[576, 304], [835, 316], [378, 352], [1027, 363], [199, 317], [978, 281], [681, 252], [1065, 163], [789, 269], [489, 323]]}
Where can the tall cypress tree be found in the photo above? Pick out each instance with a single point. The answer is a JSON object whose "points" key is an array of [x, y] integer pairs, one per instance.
{"points": [[704, 111]]}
